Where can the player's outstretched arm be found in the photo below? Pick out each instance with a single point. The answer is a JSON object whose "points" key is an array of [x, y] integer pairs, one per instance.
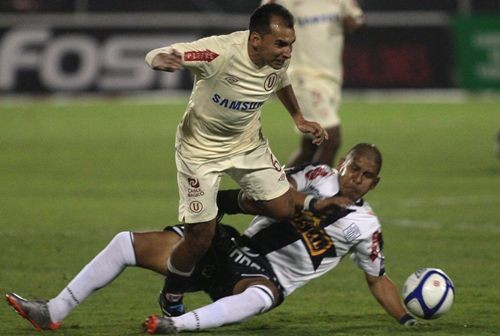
{"points": [[386, 293], [326, 206], [288, 99], [164, 59]]}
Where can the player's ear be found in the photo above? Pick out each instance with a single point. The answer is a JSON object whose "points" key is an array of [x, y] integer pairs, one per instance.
{"points": [[255, 39], [340, 163]]}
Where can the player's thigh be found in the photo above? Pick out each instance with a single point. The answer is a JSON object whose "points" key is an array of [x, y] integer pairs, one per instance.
{"points": [[152, 249], [198, 185]]}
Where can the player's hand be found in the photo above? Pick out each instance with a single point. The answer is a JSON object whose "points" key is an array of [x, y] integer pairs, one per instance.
{"points": [[352, 24], [408, 321], [332, 204], [314, 129], [168, 61]]}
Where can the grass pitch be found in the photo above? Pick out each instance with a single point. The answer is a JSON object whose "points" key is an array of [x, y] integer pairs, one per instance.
{"points": [[73, 175]]}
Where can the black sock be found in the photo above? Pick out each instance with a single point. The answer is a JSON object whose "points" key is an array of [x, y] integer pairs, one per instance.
{"points": [[175, 283], [227, 201]]}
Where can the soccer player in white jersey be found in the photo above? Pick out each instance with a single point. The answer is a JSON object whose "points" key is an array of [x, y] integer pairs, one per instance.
{"points": [[220, 131], [251, 273], [316, 70]]}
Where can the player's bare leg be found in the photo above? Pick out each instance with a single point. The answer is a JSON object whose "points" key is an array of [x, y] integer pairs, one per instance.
{"points": [[197, 239], [152, 249], [148, 250], [250, 297], [322, 154], [280, 208], [234, 201]]}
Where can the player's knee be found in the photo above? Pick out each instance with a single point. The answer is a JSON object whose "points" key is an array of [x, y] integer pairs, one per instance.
{"points": [[199, 237], [122, 244]]}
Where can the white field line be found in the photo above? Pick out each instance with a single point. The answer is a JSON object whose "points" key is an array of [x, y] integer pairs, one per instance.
{"points": [[493, 228], [161, 97], [452, 200]]}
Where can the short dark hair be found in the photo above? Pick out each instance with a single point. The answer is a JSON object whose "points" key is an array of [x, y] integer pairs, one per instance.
{"points": [[261, 18], [370, 151]]}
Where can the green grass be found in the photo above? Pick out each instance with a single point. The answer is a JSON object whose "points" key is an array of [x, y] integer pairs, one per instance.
{"points": [[71, 176]]}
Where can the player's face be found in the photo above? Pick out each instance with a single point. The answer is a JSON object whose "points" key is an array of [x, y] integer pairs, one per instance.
{"points": [[275, 49], [358, 175]]}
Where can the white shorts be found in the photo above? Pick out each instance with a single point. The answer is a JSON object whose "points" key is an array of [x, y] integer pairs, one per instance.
{"points": [[257, 172], [319, 98]]}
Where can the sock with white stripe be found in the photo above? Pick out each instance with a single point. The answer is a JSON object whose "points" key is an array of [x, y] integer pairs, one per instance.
{"points": [[235, 308], [98, 273]]}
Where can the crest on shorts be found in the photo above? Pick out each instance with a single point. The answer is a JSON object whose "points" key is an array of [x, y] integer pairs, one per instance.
{"points": [[196, 206]]}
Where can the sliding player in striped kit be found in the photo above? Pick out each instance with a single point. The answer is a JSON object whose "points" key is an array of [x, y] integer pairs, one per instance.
{"points": [[250, 274], [274, 258]]}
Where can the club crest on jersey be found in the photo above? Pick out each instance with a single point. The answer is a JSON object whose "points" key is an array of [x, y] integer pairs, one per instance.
{"points": [[200, 56], [270, 81], [316, 239]]}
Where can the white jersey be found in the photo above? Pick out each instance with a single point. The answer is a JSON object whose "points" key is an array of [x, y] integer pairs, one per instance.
{"points": [[223, 114], [307, 247], [320, 35]]}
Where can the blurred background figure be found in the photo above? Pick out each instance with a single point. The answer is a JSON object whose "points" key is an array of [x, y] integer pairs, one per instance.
{"points": [[316, 68], [87, 46]]}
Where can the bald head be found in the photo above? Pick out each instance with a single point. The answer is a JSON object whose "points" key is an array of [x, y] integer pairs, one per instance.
{"points": [[358, 171], [368, 151], [264, 16]]}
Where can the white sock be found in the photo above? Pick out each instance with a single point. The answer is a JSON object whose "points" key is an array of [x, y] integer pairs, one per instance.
{"points": [[235, 308], [99, 272]]}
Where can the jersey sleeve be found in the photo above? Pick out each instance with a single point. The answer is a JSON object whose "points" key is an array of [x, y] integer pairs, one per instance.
{"points": [[310, 176], [284, 81], [368, 256], [351, 8], [203, 57]]}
